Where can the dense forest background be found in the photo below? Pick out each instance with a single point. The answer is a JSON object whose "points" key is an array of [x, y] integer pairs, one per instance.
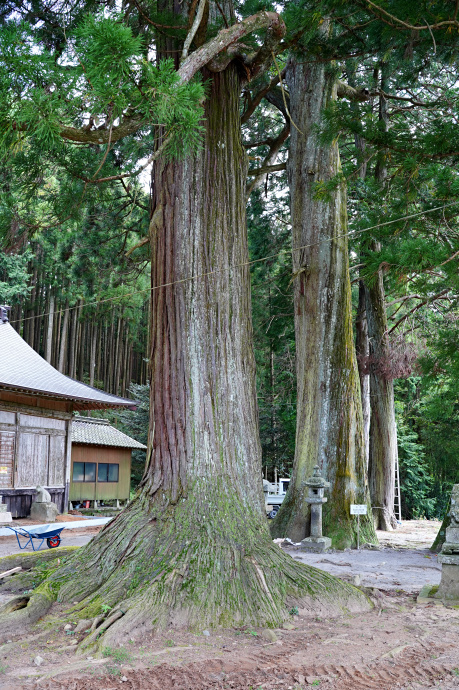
{"points": [[78, 281], [82, 304]]}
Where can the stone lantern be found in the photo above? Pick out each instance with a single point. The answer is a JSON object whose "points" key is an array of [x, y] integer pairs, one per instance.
{"points": [[449, 556], [316, 486]]}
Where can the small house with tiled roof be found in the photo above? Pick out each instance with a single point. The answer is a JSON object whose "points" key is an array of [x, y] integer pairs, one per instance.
{"points": [[37, 403], [101, 461]]}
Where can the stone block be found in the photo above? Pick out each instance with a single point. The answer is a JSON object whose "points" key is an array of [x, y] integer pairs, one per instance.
{"points": [[452, 534], [315, 544], [5, 517], [449, 559], [449, 585], [3, 508], [43, 512], [427, 594]]}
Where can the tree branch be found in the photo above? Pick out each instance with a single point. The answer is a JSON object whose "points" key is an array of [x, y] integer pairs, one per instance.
{"points": [[440, 295], [279, 100], [265, 169], [129, 125], [258, 97], [226, 37], [152, 158], [194, 27], [189, 67], [139, 244], [351, 93], [412, 27], [267, 166]]}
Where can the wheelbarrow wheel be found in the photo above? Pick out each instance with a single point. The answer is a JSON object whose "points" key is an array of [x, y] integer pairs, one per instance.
{"points": [[53, 542]]}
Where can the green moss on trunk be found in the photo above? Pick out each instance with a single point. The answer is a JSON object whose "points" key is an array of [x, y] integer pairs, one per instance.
{"points": [[329, 410]]}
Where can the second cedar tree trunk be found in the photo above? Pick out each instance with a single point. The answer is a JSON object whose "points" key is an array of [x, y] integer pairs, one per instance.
{"points": [[362, 347], [193, 547], [383, 448], [383, 430], [329, 409]]}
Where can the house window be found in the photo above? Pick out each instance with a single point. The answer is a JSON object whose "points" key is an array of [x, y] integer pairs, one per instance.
{"points": [[84, 471], [107, 472]]}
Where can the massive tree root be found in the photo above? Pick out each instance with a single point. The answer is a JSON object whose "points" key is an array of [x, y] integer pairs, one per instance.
{"points": [[158, 569]]}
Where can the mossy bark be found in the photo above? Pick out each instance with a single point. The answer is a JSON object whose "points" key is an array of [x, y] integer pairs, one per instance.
{"points": [[383, 429], [33, 559], [441, 536], [193, 548], [362, 348], [329, 409]]}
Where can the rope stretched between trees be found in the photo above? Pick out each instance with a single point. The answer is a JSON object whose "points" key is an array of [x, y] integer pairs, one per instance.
{"points": [[240, 265]]}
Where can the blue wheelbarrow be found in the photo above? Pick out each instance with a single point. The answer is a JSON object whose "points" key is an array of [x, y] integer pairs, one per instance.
{"points": [[48, 532]]}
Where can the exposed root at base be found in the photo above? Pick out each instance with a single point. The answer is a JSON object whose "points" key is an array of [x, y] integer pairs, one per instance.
{"points": [[174, 568], [21, 612]]}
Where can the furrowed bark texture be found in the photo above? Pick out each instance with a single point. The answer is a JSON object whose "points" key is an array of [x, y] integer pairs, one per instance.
{"points": [[383, 430], [383, 447], [329, 413], [193, 548], [362, 347]]}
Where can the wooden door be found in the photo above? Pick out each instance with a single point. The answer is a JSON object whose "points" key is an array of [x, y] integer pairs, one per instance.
{"points": [[33, 460], [7, 445]]}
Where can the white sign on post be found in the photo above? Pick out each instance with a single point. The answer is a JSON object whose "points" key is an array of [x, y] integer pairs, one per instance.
{"points": [[358, 509]]}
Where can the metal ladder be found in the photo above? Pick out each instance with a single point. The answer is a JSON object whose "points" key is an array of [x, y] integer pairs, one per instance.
{"points": [[397, 498]]}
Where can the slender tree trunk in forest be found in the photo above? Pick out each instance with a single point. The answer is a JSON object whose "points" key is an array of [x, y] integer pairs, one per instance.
{"points": [[193, 547], [57, 336], [110, 355], [49, 332], [73, 334], [92, 357], [117, 357], [329, 408], [40, 308], [82, 346], [64, 339], [31, 312]]}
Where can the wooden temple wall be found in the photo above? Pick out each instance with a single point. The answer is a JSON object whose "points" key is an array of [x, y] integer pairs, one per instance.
{"points": [[35, 448]]}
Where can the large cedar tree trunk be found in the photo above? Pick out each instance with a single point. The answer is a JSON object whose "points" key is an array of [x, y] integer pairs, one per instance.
{"points": [[383, 429], [329, 409], [193, 548], [383, 448]]}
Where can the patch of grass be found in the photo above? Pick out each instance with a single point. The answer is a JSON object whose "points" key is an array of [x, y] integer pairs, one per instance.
{"points": [[113, 670], [119, 655], [169, 643], [294, 611], [3, 668]]}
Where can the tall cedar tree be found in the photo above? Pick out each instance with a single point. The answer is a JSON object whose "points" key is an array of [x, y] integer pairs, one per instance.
{"points": [[375, 39], [193, 546]]}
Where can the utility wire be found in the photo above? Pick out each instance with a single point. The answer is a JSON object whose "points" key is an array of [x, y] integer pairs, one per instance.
{"points": [[240, 265]]}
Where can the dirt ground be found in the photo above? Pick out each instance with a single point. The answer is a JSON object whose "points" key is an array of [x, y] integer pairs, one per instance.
{"points": [[399, 644]]}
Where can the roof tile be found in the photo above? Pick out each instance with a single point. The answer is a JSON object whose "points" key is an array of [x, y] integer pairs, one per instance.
{"points": [[21, 368], [99, 432]]}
